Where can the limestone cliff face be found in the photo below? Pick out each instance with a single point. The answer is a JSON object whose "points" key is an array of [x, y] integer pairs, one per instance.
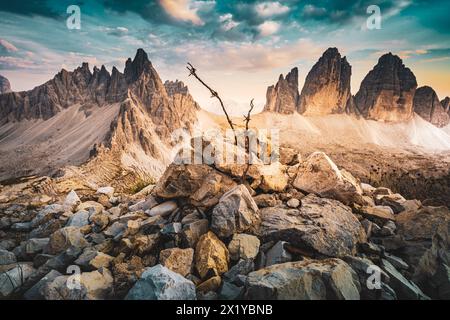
{"points": [[132, 114], [5, 86], [327, 86], [446, 104], [284, 96], [428, 106], [387, 92]]}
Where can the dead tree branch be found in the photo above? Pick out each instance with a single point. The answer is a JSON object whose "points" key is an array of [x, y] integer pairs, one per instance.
{"points": [[247, 119], [214, 94]]}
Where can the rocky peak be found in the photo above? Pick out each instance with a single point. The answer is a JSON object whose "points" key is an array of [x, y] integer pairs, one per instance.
{"points": [[5, 86], [327, 86], [427, 105], [176, 87], [387, 91], [283, 97], [446, 104], [140, 64]]}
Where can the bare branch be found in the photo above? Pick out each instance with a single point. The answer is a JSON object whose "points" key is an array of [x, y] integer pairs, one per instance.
{"points": [[247, 119], [214, 94]]}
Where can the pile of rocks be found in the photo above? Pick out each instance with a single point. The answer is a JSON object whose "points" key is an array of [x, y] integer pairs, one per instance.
{"points": [[299, 230]]}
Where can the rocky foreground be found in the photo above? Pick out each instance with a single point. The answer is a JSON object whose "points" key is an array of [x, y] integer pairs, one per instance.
{"points": [[299, 229]]}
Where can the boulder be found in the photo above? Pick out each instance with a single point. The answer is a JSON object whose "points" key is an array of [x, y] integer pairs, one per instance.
{"points": [[236, 212], [304, 280], [278, 254], [164, 209], [211, 256], [243, 246], [319, 175], [267, 200], [72, 200], [14, 278], [378, 214], [34, 293], [98, 284], [212, 284], [178, 260], [160, 283], [7, 257], [91, 206], [107, 191], [58, 289], [145, 204], [202, 185], [320, 226], [79, 219], [64, 238]]}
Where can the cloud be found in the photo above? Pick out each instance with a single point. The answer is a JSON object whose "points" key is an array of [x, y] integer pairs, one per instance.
{"points": [[117, 31], [182, 10], [8, 46], [270, 9], [268, 28], [227, 22]]}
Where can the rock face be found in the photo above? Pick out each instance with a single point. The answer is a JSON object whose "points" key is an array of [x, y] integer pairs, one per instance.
{"points": [[387, 92], [284, 96], [427, 105], [446, 104], [327, 86], [304, 280], [321, 226], [134, 111], [5, 86], [319, 174]]}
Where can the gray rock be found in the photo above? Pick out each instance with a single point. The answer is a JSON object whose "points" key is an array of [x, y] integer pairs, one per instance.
{"points": [[116, 229], [236, 212], [14, 279], [145, 204], [79, 219], [404, 288], [243, 246], [34, 293], [7, 257], [159, 283], [321, 226], [304, 280], [230, 291], [164, 209], [72, 200], [21, 226], [242, 268], [278, 254]]}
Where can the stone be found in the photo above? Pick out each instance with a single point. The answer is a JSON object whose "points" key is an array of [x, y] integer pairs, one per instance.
{"points": [[404, 288], [57, 289], [164, 209], [387, 92], [160, 283], [21, 226], [397, 262], [288, 156], [284, 96], [14, 278], [230, 291], [172, 229], [236, 212], [319, 175], [64, 238], [388, 229], [243, 246], [321, 226], [327, 86], [146, 204], [101, 260], [34, 293], [46, 229], [108, 191], [211, 256], [49, 213], [212, 284], [178, 260], [202, 185], [100, 221], [7, 257], [267, 200], [378, 214], [293, 203], [72, 200], [242, 268], [271, 178], [79, 219], [98, 284], [91, 206], [116, 229], [304, 280], [428, 106], [278, 254]]}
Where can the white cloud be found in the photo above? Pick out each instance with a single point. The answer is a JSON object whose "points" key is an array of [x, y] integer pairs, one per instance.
{"points": [[227, 22], [268, 28], [183, 10], [8, 46], [270, 9]]}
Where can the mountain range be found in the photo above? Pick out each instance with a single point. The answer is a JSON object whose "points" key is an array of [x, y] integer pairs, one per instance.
{"points": [[101, 126]]}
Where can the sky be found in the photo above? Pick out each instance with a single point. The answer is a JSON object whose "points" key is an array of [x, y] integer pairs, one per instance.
{"points": [[239, 47]]}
